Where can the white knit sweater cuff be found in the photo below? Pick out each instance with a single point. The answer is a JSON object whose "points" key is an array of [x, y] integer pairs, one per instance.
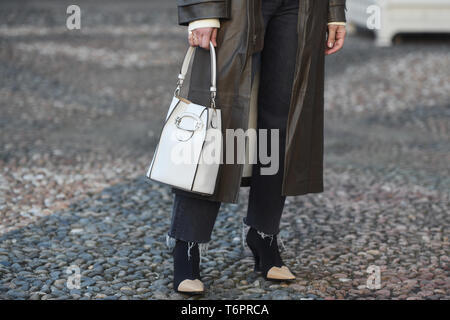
{"points": [[204, 23], [337, 23]]}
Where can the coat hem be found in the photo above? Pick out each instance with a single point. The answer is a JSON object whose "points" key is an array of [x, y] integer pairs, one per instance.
{"points": [[301, 188], [304, 187]]}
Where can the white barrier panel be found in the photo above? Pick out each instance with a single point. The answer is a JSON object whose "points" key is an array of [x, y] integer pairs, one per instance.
{"points": [[390, 17]]}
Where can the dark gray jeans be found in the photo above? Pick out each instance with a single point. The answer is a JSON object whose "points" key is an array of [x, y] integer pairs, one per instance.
{"points": [[192, 218]]}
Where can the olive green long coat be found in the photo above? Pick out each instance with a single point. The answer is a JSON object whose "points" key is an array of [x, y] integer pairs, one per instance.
{"points": [[240, 36]]}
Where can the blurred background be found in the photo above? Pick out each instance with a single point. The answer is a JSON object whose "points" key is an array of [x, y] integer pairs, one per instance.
{"points": [[80, 114]]}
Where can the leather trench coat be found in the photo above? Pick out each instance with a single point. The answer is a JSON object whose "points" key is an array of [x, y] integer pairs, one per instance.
{"points": [[240, 36]]}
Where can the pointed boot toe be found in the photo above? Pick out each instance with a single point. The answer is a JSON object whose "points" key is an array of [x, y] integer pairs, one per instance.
{"points": [[191, 286], [283, 273]]}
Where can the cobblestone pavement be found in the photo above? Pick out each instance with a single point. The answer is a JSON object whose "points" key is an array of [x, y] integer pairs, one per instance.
{"points": [[80, 113]]}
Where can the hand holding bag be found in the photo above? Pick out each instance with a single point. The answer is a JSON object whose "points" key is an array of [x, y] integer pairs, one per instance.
{"points": [[189, 151]]}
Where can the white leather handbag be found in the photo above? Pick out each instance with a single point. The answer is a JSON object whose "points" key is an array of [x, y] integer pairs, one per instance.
{"points": [[189, 151]]}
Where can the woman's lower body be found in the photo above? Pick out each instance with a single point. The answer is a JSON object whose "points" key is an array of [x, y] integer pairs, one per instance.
{"points": [[193, 218]]}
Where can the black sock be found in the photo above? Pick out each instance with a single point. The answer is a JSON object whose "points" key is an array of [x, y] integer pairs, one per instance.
{"points": [[186, 266], [265, 250]]}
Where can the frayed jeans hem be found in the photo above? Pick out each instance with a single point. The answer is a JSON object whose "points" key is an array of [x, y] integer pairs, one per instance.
{"points": [[246, 227], [202, 246]]}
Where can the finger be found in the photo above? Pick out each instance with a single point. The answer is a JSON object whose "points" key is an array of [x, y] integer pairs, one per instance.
{"points": [[214, 37], [195, 37], [206, 36], [191, 40], [331, 36], [337, 46], [341, 33], [339, 41], [194, 40]]}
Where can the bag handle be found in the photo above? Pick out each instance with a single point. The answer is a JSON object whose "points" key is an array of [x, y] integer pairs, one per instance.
{"points": [[184, 69]]}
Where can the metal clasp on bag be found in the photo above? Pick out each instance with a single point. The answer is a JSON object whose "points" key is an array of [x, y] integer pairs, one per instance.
{"points": [[178, 88], [213, 97], [213, 106], [198, 123], [197, 126]]}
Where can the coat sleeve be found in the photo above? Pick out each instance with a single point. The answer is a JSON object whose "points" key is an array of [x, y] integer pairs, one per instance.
{"points": [[190, 10], [336, 11]]}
